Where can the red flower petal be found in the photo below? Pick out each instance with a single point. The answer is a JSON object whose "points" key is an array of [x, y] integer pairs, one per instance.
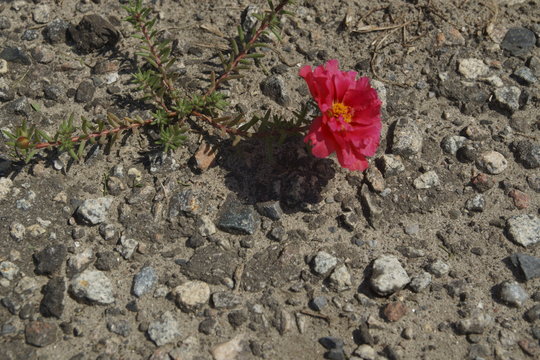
{"points": [[350, 124]]}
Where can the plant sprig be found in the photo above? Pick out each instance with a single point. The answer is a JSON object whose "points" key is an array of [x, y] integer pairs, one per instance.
{"points": [[172, 108]]}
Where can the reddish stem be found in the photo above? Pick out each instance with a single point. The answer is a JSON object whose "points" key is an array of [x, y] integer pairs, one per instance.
{"points": [[93, 135]]}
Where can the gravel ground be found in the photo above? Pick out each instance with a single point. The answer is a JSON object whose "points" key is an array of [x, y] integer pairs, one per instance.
{"points": [[432, 253]]}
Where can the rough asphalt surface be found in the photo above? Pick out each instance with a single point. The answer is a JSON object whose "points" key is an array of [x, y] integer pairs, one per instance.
{"points": [[433, 253]]}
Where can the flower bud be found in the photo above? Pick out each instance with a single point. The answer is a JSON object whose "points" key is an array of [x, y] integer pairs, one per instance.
{"points": [[23, 142]]}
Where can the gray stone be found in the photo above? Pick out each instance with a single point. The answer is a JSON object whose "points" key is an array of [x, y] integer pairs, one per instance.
{"points": [[331, 342], [390, 165], [318, 303], [206, 226], [79, 262], [507, 97], [144, 281], [55, 31], [237, 218], [93, 33], [15, 54], [8, 270], [184, 202], [85, 92], [420, 282], [477, 203], [248, 20], [451, 143], [52, 304], [40, 333], [5, 187], [4, 22], [191, 295], [439, 268], [525, 75], [492, 162], [126, 247], [274, 87], [322, 263], [388, 275], [407, 139], [41, 13], [527, 153], [94, 211], [365, 352], [119, 327], [340, 279], [529, 265], [477, 323], [107, 231], [164, 330], [270, 209], [106, 261], [533, 313], [524, 229], [50, 259], [472, 68], [427, 180], [225, 300], [518, 41], [92, 286], [513, 294]]}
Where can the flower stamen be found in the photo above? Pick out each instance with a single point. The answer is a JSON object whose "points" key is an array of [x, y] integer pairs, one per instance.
{"points": [[341, 112]]}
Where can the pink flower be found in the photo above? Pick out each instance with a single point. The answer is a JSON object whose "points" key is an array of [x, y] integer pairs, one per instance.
{"points": [[350, 124]]}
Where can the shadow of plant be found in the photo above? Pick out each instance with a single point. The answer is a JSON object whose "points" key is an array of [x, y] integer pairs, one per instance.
{"points": [[289, 175]]}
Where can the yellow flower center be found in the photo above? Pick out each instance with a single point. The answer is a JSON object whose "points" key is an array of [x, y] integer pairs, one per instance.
{"points": [[341, 111]]}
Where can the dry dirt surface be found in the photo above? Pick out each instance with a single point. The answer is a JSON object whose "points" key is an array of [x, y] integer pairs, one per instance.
{"points": [[134, 254]]}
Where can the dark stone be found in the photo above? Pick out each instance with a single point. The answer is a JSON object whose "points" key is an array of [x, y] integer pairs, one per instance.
{"points": [[527, 153], [533, 313], [93, 33], [331, 342], [529, 265], [4, 22], [7, 329], [13, 303], [210, 264], [15, 54], [53, 92], [106, 261], [273, 266], [237, 218], [119, 327], [52, 304], [318, 303], [195, 241], [518, 41], [50, 259], [85, 92], [208, 326], [55, 31], [237, 318], [335, 354], [270, 209], [40, 333], [225, 300], [274, 87], [363, 336], [184, 202], [29, 35]]}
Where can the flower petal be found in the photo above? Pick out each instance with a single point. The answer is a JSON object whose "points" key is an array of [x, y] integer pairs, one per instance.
{"points": [[320, 138]]}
